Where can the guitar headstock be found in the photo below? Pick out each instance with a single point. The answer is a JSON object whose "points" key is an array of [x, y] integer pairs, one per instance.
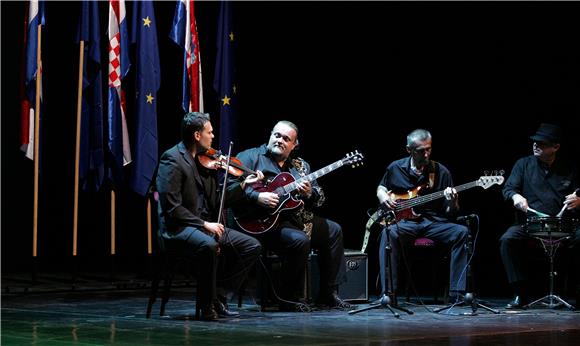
{"points": [[486, 181], [353, 158]]}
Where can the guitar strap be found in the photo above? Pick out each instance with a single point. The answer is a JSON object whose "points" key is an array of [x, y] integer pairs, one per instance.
{"points": [[432, 174], [377, 215], [304, 215]]}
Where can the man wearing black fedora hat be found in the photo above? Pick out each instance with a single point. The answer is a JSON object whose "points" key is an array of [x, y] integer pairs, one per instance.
{"points": [[539, 184]]}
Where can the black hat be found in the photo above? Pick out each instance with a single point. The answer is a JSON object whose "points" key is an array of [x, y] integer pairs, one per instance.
{"points": [[548, 133]]}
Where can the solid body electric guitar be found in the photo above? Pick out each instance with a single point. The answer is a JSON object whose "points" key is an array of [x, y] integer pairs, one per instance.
{"points": [[413, 198]]}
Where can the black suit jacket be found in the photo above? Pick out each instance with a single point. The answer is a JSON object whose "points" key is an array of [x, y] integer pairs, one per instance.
{"points": [[188, 193]]}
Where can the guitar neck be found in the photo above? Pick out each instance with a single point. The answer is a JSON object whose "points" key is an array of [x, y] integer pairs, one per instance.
{"points": [[406, 204], [313, 176]]}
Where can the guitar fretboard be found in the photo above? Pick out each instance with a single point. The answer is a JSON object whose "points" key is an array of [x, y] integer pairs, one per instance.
{"points": [[312, 176], [406, 204]]}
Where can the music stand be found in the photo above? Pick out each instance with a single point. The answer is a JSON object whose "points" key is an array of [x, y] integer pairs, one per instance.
{"points": [[470, 298], [550, 246], [385, 300]]}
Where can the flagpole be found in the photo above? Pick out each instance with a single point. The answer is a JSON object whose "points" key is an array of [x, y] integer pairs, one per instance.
{"points": [[149, 243], [113, 221], [36, 144], [77, 149], [113, 250]]}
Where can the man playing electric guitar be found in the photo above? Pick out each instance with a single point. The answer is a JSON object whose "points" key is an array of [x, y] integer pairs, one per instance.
{"points": [[295, 231], [404, 179]]}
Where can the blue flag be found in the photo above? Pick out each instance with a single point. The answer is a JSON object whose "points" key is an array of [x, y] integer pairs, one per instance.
{"points": [[92, 156], [224, 80], [147, 82]]}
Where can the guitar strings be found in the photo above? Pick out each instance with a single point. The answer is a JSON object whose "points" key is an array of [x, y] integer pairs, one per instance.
{"points": [[423, 199]]}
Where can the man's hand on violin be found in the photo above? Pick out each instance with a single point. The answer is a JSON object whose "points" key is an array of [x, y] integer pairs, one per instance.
{"points": [[305, 189], [268, 199], [214, 228], [252, 178]]}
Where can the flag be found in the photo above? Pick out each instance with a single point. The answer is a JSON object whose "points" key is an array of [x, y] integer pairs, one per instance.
{"points": [[31, 73], [147, 82], [224, 78], [92, 157], [119, 146], [184, 33]]}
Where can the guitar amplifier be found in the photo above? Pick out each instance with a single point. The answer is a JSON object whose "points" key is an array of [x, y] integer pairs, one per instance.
{"points": [[356, 286]]}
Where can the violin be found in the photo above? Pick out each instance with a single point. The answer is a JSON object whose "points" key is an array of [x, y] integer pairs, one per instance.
{"points": [[213, 159]]}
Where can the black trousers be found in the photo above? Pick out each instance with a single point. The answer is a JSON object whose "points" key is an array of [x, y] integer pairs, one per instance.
{"points": [[513, 250], [406, 231], [234, 255], [293, 246]]}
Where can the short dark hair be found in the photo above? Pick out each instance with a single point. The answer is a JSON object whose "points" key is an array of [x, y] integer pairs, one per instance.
{"points": [[192, 121]]}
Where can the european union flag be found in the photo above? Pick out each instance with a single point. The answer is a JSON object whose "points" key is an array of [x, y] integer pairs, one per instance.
{"points": [[92, 156], [224, 80], [147, 82]]}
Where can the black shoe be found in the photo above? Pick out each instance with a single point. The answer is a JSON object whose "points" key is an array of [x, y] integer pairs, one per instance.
{"points": [[333, 301], [208, 314], [222, 310], [519, 302]]}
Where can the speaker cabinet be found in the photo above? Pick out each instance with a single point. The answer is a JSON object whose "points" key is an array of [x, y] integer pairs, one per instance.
{"points": [[356, 286]]}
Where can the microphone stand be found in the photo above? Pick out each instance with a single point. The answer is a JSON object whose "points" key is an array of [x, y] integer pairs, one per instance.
{"points": [[385, 301], [469, 299]]}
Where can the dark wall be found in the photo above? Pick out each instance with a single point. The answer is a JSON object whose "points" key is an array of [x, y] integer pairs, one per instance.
{"points": [[352, 76]]}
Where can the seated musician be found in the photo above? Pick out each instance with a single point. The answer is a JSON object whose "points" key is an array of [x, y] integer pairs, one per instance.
{"points": [[431, 220], [544, 183], [188, 210], [298, 230]]}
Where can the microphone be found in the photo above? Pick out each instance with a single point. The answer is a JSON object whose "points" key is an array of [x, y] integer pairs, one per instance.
{"points": [[466, 217]]}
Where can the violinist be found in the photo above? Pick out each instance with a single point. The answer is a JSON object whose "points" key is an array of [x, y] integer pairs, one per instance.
{"points": [[188, 211]]}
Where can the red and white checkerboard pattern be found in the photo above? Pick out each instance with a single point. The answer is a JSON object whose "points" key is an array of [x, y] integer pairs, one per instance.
{"points": [[114, 61]]}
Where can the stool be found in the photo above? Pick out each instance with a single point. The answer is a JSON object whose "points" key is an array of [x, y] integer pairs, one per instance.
{"points": [[426, 243]]}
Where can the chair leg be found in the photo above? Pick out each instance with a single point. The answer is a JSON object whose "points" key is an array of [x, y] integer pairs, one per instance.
{"points": [[166, 290], [241, 292], [152, 296], [197, 307]]}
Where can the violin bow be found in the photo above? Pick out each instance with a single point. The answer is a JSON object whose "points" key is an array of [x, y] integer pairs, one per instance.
{"points": [[222, 198]]}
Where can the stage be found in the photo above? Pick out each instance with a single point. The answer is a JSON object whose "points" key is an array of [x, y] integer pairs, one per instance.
{"points": [[93, 310]]}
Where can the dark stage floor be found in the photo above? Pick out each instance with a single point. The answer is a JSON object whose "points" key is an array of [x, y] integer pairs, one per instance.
{"points": [[96, 312]]}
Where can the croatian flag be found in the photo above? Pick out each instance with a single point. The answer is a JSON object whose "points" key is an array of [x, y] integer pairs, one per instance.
{"points": [[184, 33], [119, 146], [31, 72]]}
